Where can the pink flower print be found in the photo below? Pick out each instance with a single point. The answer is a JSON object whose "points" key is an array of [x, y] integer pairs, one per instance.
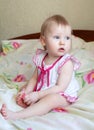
{"points": [[16, 45], [29, 128], [19, 78], [89, 78], [59, 109], [21, 63], [2, 54]]}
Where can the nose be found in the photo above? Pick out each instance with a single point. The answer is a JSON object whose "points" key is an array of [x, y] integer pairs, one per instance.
{"points": [[62, 42]]}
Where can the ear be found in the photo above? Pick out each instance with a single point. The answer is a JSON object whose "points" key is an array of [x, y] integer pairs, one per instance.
{"points": [[42, 40]]}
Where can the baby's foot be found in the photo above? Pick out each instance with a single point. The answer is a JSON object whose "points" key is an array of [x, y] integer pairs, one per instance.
{"points": [[7, 114]]}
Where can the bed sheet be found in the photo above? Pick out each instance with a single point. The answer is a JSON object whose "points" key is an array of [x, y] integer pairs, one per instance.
{"points": [[16, 69]]}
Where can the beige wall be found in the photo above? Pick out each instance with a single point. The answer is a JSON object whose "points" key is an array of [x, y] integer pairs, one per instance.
{"points": [[18, 17]]}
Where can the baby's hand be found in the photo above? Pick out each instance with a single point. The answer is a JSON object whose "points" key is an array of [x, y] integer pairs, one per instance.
{"points": [[31, 98], [19, 95], [20, 99]]}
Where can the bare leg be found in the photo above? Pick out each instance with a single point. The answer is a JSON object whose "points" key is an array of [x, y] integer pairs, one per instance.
{"points": [[43, 106]]}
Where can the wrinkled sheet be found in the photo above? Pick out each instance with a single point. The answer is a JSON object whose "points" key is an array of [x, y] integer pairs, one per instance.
{"points": [[16, 69]]}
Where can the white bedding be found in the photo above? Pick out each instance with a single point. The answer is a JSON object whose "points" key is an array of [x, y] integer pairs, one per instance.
{"points": [[15, 70]]}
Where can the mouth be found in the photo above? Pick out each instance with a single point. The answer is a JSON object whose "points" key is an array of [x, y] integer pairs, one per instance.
{"points": [[61, 49]]}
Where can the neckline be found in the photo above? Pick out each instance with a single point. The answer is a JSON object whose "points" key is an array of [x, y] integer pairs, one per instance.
{"points": [[50, 66]]}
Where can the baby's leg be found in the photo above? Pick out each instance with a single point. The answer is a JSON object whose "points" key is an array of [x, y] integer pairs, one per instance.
{"points": [[43, 106]]}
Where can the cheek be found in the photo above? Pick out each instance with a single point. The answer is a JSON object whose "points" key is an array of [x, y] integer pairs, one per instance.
{"points": [[69, 46], [50, 46], [50, 43]]}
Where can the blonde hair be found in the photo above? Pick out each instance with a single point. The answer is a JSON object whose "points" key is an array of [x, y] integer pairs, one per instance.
{"points": [[58, 19]]}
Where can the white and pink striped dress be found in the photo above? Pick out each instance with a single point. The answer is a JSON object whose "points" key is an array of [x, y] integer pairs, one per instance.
{"points": [[48, 74]]}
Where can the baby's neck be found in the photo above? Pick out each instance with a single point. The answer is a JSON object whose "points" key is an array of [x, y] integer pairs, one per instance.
{"points": [[50, 60]]}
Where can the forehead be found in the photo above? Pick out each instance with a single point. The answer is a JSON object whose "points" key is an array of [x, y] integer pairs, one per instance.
{"points": [[58, 28]]}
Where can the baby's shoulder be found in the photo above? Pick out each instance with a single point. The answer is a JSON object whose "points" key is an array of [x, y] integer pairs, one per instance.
{"points": [[68, 60], [39, 55]]}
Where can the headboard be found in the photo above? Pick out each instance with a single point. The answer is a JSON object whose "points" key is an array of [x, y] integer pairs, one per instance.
{"points": [[87, 35]]}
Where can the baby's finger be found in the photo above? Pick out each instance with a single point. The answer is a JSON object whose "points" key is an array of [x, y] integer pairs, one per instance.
{"points": [[23, 95], [25, 98], [28, 102]]}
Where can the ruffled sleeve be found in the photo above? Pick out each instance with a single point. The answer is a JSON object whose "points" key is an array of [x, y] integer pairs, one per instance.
{"points": [[76, 63], [66, 58], [37, 58]]}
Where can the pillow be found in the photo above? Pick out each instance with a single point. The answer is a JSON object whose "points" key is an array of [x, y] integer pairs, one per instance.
{"points": [[77, 42], [11, 45], [85, 55], [89, 46], [22, 61]]}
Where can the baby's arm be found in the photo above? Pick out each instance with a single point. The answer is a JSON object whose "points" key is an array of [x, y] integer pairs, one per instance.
{"points": [[29, 87], [26, 89], [62, 81], [31, 98], [31, 84]]}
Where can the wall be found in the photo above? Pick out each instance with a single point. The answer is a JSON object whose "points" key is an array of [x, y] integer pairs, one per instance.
{"points": [[18, 17]]}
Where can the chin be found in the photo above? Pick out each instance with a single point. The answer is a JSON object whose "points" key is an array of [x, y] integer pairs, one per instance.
{"points": [[60, 55]]}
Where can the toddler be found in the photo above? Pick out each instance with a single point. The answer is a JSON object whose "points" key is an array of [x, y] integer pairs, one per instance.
{"points": [[53, 83]]}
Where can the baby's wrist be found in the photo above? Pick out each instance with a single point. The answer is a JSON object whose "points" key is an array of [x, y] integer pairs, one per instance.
{"points": [[28, 88]]}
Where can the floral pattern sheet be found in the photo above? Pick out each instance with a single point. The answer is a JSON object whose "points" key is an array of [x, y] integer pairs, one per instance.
{"points": [[16, 69]]}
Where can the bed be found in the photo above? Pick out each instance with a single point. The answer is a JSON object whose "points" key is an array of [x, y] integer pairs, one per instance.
{"points": [[16, 68]]}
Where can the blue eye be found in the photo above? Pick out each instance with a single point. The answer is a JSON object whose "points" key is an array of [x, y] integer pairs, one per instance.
{"points": [[67, 38], [56, 37]]}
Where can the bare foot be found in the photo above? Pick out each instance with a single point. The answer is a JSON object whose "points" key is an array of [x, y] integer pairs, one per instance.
{"points": [[7, 114]]}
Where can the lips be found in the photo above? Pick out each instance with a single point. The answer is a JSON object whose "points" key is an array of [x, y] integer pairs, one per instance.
{"points": [[61, 49]]}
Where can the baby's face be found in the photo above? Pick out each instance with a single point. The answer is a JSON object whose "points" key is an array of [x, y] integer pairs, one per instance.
{"points": [[58, 39]]}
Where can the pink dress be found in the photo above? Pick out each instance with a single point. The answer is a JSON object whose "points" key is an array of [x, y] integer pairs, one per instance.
{"points": [[48, 74]]}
